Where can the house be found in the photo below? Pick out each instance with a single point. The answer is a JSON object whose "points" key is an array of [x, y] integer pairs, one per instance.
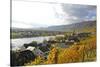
{"points": [[35, 50], [59, 35], [38, 52], [30, 48], [73, 38], [82, 35], [69, 42]]}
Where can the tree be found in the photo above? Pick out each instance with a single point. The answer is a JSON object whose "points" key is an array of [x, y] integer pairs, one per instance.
{"points": [[52, 57]]}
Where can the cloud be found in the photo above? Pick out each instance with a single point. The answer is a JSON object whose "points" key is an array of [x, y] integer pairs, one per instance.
{"points": [[79, 12], [37, 14]]}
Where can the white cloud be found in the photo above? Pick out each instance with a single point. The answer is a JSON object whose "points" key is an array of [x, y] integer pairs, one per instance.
{"points": [[36, 13]]}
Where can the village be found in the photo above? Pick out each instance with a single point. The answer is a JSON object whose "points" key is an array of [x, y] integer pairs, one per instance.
{"points": [[17, 33], [28, 52]]}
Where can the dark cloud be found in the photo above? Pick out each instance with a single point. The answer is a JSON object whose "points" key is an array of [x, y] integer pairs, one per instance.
{"points": [[81, 12]]}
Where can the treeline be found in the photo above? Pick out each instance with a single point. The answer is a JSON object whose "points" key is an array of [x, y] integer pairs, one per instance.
{"points": [[23, 34]]}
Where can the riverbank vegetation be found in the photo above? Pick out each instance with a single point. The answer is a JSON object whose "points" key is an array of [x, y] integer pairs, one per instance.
{"points": [[32, 33]]}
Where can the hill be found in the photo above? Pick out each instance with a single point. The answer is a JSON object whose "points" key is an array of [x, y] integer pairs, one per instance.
{"points": [[82, 26]]}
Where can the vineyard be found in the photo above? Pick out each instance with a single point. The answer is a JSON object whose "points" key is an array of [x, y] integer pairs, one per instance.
{"points": [[83, 51]]}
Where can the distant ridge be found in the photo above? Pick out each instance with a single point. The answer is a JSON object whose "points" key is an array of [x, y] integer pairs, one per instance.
{"points": [[71, 27], [76, 26]]}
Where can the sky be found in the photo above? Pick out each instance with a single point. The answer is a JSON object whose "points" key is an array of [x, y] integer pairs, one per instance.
{"points": [[31, 14]]}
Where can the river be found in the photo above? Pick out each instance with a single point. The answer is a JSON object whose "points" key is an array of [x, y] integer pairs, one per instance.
{"points": [[17, 43]]}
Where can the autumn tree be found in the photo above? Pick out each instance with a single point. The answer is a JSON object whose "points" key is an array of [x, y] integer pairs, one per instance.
{"points": [[52, 57]]}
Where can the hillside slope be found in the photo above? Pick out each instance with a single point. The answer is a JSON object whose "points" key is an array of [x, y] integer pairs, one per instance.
{"points": [[82, 26]]}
